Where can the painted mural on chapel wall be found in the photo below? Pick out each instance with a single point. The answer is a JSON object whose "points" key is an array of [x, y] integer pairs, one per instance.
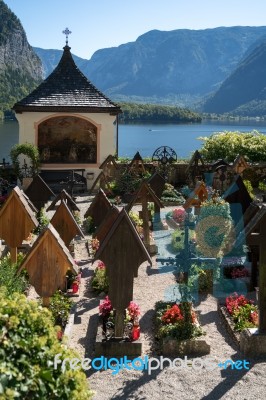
{"points": [[67, 139]]}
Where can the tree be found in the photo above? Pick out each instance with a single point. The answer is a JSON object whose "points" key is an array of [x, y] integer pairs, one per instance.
{"points": [[228, 145]]}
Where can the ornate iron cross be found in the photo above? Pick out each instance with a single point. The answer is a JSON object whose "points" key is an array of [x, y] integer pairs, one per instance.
{"points": [[66, 32]]}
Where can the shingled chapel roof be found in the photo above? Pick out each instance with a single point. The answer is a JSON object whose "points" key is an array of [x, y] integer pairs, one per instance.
{"points": [[67, 89]]}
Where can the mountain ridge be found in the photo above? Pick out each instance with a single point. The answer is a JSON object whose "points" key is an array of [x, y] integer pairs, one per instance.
{"points": [[20, 67], [244, 91], [182, 66]]}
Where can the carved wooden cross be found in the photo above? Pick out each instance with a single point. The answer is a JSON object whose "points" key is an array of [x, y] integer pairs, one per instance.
{"points": [[201, 192], [39, 192], [17, 220], [63, 195], [145, 194], [98, 208], [47, 264], [65, 224], [122, 251]]}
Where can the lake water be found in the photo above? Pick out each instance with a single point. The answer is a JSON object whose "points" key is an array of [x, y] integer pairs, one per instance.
{"points": [[146, 138]]}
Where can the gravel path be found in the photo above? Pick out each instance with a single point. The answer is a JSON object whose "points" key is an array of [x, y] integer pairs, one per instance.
{"points": [[168, 383]]}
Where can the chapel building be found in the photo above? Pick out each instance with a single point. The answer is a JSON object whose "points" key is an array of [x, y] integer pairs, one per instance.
{"points": [[73, 124]]}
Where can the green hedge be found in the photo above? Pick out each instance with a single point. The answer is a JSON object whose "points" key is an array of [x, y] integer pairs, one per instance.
{"points": [[28, 345], [228, 145]]}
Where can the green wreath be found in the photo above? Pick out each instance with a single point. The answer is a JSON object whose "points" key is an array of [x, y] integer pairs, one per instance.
{"points": [[30, 151]]}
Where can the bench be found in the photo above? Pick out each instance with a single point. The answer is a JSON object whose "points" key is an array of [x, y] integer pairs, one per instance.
{"points": [[69, 180]]}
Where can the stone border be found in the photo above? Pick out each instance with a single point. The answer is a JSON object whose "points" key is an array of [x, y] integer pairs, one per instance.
{"points": [[173, 224], [191, 347], [70, 322], [252, 343], [228, 324], [116, 348]]}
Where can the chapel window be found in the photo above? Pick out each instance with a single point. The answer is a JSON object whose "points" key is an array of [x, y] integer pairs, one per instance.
{"points": [[67, 140]]}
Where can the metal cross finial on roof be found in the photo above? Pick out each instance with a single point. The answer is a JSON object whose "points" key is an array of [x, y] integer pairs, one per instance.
{"points": [[66, 32]]}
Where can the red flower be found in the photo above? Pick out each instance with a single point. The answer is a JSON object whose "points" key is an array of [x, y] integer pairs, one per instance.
{"points": [[172, 315], [234, 302]]}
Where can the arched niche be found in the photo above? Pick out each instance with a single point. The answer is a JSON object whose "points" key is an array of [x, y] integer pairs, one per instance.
{"points": [[67, 139]]}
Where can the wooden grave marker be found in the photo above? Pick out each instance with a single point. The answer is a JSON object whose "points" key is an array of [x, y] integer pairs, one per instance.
{"points": [[145, 194], [243, 229], [101, 182], [237, 193], [238, 198], [194, 169], [123, 252], [240, 164], [47, 264], [98, 208], [39, 192], [137, 164], [63, 195], [65, 224], [31, 205], [17, 220], [157, 183], [222, 177], [106, 225], [197, 196], [110, 167], [256, 236]]}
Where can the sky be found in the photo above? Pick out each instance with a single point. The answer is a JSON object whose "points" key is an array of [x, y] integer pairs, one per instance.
{"points": [[109, 23]]}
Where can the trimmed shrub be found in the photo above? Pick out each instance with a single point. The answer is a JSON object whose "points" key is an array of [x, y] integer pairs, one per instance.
{"points": [[9, 279], [28, 344]]}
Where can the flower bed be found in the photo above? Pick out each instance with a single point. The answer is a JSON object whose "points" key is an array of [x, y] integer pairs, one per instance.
{"points": [[243, 312], [178, 329], [170, 196]]}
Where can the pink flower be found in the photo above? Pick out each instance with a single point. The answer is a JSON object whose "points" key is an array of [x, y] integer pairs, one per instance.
{"points": [[105, 307], [179, 214], [133, 310], [100, 265]]}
